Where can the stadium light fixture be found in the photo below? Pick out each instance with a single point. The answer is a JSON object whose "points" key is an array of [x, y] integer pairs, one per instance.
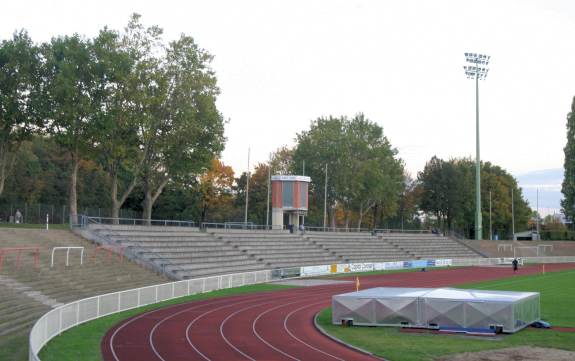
{"points": [[477, 70]]}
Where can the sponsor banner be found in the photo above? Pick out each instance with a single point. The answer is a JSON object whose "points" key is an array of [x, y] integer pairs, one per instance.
{"points": [[333, 268], [343, 268], [443, 262], [380, 266], [361, 267], [392, 265], [430, 263], [315, 270], [415, 264]]}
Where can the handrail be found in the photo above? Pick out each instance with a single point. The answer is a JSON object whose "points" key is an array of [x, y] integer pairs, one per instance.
{"points": [[396, 230], [337, 229], [85, 220]]}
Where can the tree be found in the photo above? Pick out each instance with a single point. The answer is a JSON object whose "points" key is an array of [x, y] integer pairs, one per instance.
{"points": [[282, 161], [362, 167], [447, 192], [568, 186], [215, 189], [70, 94], [120, 97], [19, 105], [184, 130]]}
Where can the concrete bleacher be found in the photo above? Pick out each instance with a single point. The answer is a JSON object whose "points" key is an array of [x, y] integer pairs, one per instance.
{"points": [[357, 247], [186, 252], [180, 252], [26, 292], [277, 249], [426, 245]]}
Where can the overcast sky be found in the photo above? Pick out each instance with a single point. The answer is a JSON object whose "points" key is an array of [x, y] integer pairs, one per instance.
{"points": [[281, 64]]}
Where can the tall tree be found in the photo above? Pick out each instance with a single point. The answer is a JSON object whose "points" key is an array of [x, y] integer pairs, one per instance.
{"points": [[362, 165], [447, 192], [185, 130], [124, 63], [19, 106], [71, 98], [568, 186]]}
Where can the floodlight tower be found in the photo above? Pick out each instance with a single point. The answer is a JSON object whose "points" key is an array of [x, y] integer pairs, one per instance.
{"points": [[477, 71]]}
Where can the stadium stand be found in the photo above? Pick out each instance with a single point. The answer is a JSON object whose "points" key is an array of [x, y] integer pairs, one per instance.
{"points": [[425, 245], [27, 292], [180, 252], [358, 247], [187, 252], [278, 249]]}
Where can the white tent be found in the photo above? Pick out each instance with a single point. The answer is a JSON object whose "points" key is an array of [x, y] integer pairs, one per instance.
{"points": [[439, 308]]}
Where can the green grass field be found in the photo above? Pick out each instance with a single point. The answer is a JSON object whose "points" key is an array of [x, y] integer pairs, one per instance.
{"points": [[86, 338], [557, 294]]}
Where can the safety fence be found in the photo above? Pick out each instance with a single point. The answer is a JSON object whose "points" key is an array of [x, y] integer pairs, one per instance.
{"points": [[72, 314]]}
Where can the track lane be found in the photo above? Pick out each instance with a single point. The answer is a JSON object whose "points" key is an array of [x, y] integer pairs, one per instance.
{"points": [[265, 326]]}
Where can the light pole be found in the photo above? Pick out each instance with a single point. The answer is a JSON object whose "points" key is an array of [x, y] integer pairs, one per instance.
{"points": [[477, 71]]}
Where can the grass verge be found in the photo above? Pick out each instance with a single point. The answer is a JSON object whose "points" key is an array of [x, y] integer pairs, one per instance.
{"points": [[86, 337], [557, 292]]}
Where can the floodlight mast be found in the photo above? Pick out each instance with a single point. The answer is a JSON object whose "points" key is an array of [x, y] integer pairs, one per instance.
{"points": [[477, 71]]}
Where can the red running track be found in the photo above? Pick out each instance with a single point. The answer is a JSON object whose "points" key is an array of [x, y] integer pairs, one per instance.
{"points": [[265, 326]]}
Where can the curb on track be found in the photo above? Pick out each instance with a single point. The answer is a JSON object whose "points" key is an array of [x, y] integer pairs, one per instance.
{"points": [[333, 338]]}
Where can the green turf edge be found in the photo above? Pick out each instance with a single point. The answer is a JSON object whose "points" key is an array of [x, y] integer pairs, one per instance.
{"points": [[393, 345], [86, 338]]}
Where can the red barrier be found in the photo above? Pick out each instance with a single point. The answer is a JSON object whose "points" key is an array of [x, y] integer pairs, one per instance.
{"points": [[110, 250], [19, 250]]}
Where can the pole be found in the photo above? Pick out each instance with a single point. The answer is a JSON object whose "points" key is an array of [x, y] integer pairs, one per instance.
{"points": [[537, 215], [247, 190], [303, 173], [478, 225], [490, 224], [512, 215], [269, 183], [325, 200]]}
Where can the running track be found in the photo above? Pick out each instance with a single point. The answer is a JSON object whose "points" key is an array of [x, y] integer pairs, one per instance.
{"points": [[264, 326]]}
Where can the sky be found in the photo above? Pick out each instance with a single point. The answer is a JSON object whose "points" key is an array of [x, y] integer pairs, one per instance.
{"points": [[281, 64]]}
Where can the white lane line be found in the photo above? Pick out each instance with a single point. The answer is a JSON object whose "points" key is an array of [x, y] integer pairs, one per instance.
{"points": [[152, 332], [204, 302], [254, 330], [298, 339]]}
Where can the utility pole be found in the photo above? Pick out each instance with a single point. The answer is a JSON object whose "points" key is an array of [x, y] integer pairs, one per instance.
{"points": [[490, 224], [325, 200], [512, 214], [537, 215], [269, 184], [247, 190], [476, 72]]}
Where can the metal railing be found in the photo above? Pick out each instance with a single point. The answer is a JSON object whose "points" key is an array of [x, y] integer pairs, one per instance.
{"points": [[337, 229], [237, 225], [399, 230], [72, 314], [84, 220]]}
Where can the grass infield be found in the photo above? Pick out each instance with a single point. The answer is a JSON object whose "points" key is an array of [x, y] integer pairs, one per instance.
{"points": [[557, 293]]}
